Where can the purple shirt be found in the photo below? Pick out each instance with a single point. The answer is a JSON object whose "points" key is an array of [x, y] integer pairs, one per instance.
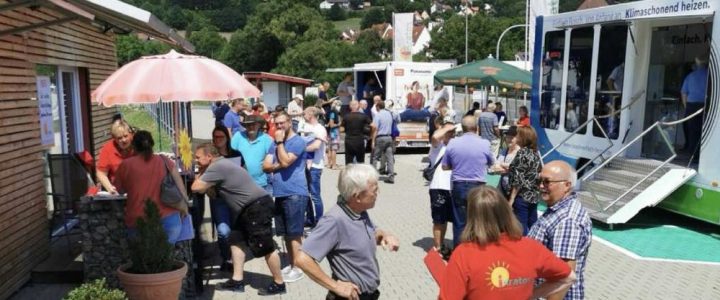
{"points": [[469, 156]]}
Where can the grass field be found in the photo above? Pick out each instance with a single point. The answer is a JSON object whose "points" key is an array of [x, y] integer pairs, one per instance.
{"points": [[352, 23], [137, 116]]}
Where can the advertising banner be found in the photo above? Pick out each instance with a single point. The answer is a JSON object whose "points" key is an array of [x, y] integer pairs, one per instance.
{"points": [[47, 134], [402, 36]]}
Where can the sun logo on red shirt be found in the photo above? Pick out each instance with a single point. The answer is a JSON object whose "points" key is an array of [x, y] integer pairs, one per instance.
{"points": [[498, 275]]}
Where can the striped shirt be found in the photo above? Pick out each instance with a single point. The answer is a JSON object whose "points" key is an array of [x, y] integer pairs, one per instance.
{"points": [[565, 228]]}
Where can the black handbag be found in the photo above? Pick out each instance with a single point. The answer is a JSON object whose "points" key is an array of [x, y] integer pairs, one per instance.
{"points": [[170, 193], [429, 172]]}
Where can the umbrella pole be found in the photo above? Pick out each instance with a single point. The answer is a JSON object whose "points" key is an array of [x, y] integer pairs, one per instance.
{"points": [[157, 117]]}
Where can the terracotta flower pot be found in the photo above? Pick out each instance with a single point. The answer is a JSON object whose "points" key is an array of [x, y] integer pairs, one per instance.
{"points": [[160, 286]]}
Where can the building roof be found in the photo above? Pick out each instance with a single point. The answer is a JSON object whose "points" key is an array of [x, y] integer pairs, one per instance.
{"points": [[107, 13], [265, 76], [587, 4]]}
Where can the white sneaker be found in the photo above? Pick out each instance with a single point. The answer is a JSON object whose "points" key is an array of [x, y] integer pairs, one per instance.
{"points": [[286, 270], [295, 274]]}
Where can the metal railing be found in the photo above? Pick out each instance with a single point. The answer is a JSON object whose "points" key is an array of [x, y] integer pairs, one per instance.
{"points": [[595, 120], [656, 126]]}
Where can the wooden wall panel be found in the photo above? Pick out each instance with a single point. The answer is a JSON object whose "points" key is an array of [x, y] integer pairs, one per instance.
{"points": [[24, 235]]}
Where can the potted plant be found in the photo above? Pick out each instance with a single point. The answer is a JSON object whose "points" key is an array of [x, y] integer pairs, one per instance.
{"points": [[95, 290], [152, 273]]}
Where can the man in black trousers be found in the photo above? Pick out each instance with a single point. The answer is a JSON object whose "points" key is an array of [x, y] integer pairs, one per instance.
{"points": [[358, 127]]}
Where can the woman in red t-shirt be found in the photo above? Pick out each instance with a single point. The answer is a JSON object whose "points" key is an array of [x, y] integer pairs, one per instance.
{"points": [[494, 260], [113, 153], [524, 119], [141, 175], [415, 99]]}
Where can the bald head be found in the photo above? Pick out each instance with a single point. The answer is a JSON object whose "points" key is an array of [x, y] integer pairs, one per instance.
{"points": [[558, 179], [562, 170], [354, 105], [469, 124]]}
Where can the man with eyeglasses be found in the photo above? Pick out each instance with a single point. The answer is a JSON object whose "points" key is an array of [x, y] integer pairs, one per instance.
{"points": [[565, 227]]}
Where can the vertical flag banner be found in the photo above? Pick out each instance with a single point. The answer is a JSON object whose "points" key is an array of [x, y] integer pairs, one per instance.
{"points": [[538, 8], [47, 134], [402, 36]]}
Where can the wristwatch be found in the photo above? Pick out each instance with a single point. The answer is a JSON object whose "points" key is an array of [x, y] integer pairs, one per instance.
{"points": [[280, 142]]}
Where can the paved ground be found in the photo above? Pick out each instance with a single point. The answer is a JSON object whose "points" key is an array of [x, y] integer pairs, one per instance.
{"points": [[403, 209]]}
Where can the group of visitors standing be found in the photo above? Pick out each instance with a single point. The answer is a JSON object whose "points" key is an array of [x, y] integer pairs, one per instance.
{"points": [[498, 229]]}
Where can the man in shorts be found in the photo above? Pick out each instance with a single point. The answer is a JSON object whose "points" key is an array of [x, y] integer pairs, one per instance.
{"points": [[252, 211]]}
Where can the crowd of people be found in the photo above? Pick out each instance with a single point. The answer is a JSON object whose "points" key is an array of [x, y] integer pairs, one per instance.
{"points": [[262, 174]]}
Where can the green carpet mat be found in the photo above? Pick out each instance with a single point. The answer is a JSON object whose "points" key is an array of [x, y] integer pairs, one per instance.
{"points": [[656, 233]]}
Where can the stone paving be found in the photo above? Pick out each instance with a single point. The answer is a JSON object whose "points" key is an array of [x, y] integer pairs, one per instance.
{"points": [[403, 209]]}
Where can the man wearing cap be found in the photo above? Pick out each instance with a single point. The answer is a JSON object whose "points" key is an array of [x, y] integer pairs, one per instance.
{"points": [[253, 144], [382, 141], [295, 110]]}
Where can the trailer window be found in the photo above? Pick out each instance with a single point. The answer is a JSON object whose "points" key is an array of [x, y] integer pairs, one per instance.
{"points": [[611, 77], [579, 66], [552, 69]]}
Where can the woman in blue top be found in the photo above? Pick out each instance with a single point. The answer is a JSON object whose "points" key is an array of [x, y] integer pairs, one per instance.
{"points": [[333, 125]]}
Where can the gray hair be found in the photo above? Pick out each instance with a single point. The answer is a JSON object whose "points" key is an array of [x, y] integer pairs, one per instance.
{"points": [[354, 179]]}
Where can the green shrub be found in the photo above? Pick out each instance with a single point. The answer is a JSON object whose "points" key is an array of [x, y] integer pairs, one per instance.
{"points": [[150, 252], [310, 100], [96, 290]]}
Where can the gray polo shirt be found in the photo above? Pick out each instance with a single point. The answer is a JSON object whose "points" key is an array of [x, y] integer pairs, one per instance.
{"points": [[233, 184], [348, 241]]}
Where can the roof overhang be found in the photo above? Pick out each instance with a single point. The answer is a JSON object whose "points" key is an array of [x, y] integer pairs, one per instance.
{"points": [[110, 13], [265, 76]]}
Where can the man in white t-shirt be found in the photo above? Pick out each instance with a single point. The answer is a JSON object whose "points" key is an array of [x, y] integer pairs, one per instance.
{"points": [[440, 186], [295, 110], [317, 136]]}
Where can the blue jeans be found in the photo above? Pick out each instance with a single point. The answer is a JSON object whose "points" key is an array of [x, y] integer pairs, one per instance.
{"points": [[221, 219], [295, 124], [171, 224], [460, 190], [414, 115], [290, 215], [315, 207], [525, 212]]}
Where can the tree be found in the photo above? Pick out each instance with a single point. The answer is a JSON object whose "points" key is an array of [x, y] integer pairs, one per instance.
{"points": [[337, 13], [250, 50], [208, 42], [374, 44], [374, 16], [299, 24], [129, 47], [310, 59], [483, 33]]}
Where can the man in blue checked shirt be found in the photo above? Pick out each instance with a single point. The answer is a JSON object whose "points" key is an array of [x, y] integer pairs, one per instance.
{"points": [[565, 227]]}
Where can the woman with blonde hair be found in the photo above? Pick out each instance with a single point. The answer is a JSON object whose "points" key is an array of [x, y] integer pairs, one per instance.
{"points": [[113, 153], [494, 260], [523, 173]]}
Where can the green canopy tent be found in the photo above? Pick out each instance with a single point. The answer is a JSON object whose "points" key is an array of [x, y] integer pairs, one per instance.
{"points": [[487, 72]]}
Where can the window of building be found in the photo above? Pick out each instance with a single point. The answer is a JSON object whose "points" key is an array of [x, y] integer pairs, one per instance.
{"points": [[552, 68]]}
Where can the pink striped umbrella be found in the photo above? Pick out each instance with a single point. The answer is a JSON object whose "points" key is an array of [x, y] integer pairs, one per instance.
{"points": [[173, 77]]}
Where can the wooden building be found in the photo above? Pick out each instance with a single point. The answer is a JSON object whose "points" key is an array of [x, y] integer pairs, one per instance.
{"points": [[71, 43]]}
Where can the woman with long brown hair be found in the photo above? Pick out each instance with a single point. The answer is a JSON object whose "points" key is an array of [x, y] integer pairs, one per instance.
{"points": [[494, 260], [524, 171]]}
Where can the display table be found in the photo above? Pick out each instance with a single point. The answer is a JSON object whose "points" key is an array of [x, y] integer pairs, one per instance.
{"points": [[104, 236]]}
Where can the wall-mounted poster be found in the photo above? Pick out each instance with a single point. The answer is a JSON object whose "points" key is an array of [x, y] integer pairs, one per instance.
{"points": [[47, 134]]}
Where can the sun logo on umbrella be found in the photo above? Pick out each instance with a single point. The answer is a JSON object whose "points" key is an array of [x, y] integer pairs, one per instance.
{"points": [[185, 149], [490, 70], [498, 275]]}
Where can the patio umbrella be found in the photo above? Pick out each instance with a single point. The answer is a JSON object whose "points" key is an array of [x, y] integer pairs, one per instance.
{"points": [[172, 77], [487, 72]]}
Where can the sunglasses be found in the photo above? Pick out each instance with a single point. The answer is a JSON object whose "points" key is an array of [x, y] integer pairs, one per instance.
{"points": [[548, 181]]}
